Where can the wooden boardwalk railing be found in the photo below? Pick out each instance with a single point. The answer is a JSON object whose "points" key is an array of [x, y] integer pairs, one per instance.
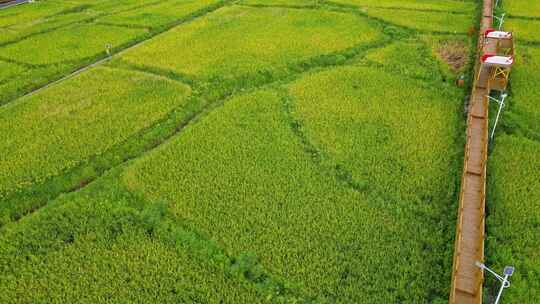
{"points": [[467, 278]]}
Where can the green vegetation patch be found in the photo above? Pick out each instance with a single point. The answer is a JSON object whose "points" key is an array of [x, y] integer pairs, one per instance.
{"points": [[103, 245], [9, 71], [34, 13], [49, 132], [68, 44], [438, 22], [452, 51], [514, 215], [514, 165], [289, 3], [435, 5], [522, 7], [236, 41], [78, 39], [253, 187], [23, 78], [524, 29], [157, 15], [525, 95], [370, 131], [407, 58]]}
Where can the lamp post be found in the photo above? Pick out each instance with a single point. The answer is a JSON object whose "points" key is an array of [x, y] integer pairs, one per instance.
{"points": [[501, 106], [505, 283]]}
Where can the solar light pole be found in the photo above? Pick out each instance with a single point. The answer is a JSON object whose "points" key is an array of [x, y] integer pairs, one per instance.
{"points": [[501, 106], [508, 271]]}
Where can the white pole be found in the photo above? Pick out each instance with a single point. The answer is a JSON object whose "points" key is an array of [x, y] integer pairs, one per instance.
{"points": [[501, 21], [508, 271], [503, 286], [501, 106]]}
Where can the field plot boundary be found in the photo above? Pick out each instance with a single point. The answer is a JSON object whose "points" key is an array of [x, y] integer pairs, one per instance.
{"points": [[467, 278]]}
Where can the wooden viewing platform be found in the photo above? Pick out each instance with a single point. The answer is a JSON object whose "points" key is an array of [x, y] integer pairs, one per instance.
{"points": [[467, 278]]}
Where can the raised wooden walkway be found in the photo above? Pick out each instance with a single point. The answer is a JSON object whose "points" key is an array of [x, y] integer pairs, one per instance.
{"points": [[467, 278]]}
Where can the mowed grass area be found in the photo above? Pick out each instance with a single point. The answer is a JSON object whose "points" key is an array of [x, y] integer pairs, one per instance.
{"points": [[260, 152], [514, 165]]}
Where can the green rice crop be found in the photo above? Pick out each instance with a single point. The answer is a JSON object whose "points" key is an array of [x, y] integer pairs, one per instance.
{"points": [[525, 29], [23, 79], [522, 8], [78, 39], [102, 245], [433, 5], [132, 268], [47, 133], [425, 21], [36, 12], [20, 31], [381, 152], [68, 44], [410, 58], [119, 5], [525, 95], [453, 45], [250, 40], [514, 215], [43, 16], [157, 15], [281, 2], [9, 70], [514, 166], [253, 173]]}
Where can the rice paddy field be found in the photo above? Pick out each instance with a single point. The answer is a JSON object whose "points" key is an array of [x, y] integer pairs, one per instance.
{"points": [[514, 187], [253, 151]]}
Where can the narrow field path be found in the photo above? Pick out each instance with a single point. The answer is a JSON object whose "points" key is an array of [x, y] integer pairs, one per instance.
{"points": [[467, 278]]}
